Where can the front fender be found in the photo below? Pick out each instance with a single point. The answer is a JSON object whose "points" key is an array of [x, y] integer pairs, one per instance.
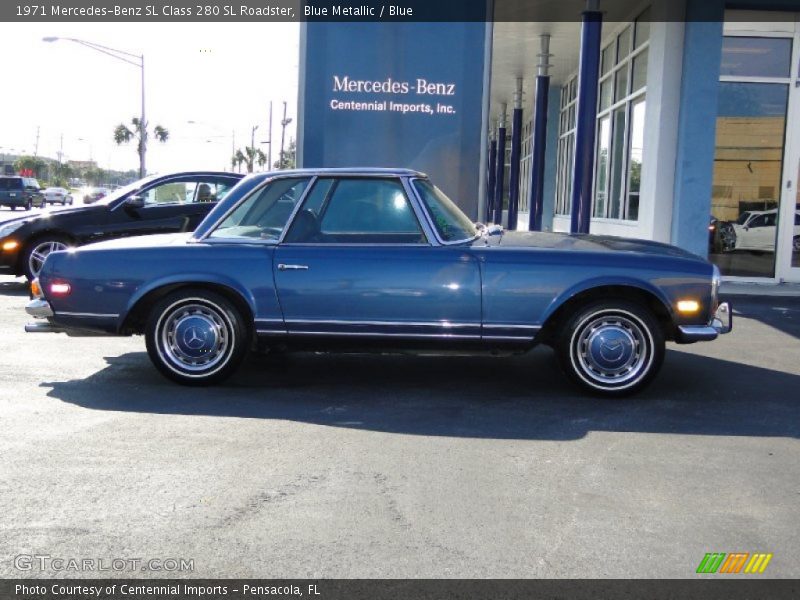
{"points": [[598, 282]]}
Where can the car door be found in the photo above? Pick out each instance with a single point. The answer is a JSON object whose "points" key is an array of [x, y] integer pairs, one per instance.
{"points": [[355, 262], [170, 206]]}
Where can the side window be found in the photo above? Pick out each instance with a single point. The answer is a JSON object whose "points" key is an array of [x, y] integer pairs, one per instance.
{"points": [[173, 192], [357, 211], [759, 221], [209, 191], [263, 215]]}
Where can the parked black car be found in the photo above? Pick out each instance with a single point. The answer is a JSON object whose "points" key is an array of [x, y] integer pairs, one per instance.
{"points": [[18, 191], [156, 204]]}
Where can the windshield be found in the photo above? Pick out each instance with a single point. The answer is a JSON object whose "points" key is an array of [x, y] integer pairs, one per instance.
{"points": [[131, 187], [451, 224]]}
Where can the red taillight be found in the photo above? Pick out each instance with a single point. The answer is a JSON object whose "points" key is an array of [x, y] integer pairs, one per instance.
{"points": [[60, 288]]}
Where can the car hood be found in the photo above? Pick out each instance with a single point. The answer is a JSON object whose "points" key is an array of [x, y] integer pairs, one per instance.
{"points": [[140, 241], [46, 214], [584, 243]]}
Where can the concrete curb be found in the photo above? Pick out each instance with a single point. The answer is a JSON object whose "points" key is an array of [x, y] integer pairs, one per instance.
{"points": [[732, 288]]}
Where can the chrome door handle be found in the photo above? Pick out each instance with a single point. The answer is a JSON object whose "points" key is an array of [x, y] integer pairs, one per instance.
{"points": [[283, 267]]}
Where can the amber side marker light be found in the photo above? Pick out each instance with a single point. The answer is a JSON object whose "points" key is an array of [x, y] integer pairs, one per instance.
{"points": [[36, 289], [10, 245], [60, 288], [688, 307]]}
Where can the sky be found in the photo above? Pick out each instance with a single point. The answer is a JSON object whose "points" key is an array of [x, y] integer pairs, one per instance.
{"points": [[220, 76]]}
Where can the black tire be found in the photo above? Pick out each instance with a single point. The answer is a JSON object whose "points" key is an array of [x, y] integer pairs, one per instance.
{"points": [[41, 246], [196, 337], [29, 205], [611, 348]]}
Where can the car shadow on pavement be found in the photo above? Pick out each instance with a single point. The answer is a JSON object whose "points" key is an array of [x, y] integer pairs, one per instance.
{"points": [[522, 397]]}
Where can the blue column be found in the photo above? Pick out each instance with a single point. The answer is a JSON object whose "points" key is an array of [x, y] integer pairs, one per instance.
{"points": [[490, 180], [586, 118], [551, 158], [539, 147], [516, 146], [500, 172], [697, 122]]}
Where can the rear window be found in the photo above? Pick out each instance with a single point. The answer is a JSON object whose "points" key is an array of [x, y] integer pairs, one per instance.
{"points": [[10, 183]]}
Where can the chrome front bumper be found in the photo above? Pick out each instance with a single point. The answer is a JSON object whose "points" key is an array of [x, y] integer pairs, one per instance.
{"points": [[721, 323]]}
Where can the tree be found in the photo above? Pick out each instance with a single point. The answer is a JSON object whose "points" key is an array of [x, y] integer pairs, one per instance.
{"points": [[239, 156], [61, 173], [31, 163], [124, 134], [261, 159], [288, 157]]}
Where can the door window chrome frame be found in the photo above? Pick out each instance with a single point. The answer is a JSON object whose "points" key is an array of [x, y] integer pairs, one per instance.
{"points": [[433, 229], [257, 190], [418, 214]]}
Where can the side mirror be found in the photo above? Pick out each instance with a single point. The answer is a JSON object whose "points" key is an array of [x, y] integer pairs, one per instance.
{"points": [[134, 202]]}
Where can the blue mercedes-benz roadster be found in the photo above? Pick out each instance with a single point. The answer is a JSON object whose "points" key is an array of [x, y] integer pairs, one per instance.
{"points": [[379, 259]]}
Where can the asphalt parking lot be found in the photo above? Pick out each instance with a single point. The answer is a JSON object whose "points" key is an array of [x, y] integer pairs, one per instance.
{"points": [[400, 466]]}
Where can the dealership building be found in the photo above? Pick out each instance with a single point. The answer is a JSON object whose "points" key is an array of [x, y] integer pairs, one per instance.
{"points": [[669, 120]]}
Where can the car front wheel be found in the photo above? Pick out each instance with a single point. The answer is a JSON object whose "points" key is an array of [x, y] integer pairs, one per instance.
{"points": [[611, 348], [37, 251], [196, 337]]}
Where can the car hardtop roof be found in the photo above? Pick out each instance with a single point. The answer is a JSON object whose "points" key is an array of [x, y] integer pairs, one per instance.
{"points": [[397, 172]]}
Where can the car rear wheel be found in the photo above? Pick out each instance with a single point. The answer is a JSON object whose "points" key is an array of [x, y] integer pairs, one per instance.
{"points": [[611, 348], [38, 250], [29, 205], [196, 337]]}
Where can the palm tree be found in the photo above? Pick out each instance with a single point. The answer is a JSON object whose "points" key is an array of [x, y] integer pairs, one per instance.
{"points": [[234, 160], [250, 153], [124, 134], [261, 159], [239, 159]]}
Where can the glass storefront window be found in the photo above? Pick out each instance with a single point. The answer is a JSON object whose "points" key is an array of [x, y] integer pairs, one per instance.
{"points": [[621, 84], [635, 154], [748, 164], [606, 89], [756, 56], [796, 231], [603, 147], [642, 29], [624, 43], [617, 163], [639, 71]]}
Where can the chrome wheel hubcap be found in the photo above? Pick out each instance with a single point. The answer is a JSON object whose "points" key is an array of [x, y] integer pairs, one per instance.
{"points": [[40, 253], [195, 337], [612, 350]]}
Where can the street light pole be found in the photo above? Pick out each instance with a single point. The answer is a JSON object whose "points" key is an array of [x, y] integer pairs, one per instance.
{"points": [[137, 60]]}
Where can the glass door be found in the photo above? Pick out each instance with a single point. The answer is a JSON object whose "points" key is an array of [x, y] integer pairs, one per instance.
{"points": [[752, 113], [789, 226]]}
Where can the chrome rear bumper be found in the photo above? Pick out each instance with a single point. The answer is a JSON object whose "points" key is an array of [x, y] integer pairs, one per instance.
{"points": [[721, 323], [39, 308]]}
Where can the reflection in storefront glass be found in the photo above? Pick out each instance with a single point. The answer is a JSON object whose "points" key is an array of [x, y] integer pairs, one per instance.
{"points": [[796, 232], [751, 120]]}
